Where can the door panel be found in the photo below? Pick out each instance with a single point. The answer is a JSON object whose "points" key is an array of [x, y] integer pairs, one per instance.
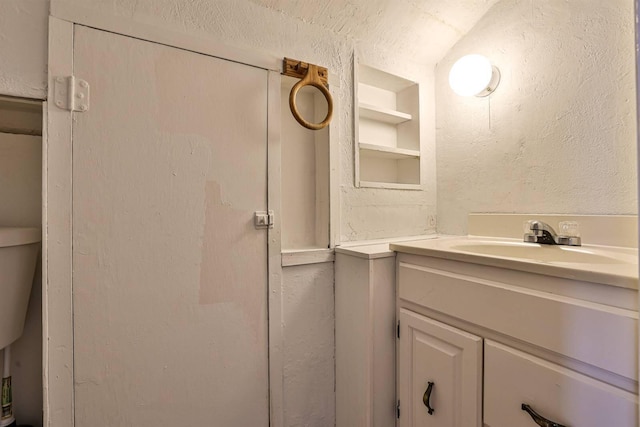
{"points": [[170, 275], [431, 351]]}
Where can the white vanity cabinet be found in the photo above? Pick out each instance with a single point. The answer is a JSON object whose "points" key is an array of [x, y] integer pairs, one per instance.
{"points": [[565, 348]]}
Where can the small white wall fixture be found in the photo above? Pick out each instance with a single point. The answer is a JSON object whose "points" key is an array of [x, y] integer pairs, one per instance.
{"points": [[474, 75]]}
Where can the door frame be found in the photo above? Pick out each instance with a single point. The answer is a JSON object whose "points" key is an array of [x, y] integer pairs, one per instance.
{"points": [[58, 335]]}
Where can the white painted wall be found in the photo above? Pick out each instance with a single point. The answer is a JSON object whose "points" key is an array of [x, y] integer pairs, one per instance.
{"points": [[23, 48], [366, 213], [20, 201], [559, 133], [432, 26], [309, 342]]}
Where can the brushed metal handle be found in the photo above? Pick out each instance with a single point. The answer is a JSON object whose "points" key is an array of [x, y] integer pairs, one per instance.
{"points": [[427, 396], [539, 419]]}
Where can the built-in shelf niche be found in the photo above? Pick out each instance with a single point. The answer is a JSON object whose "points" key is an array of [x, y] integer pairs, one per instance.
{"points": [[305, 171], [387, 130]]}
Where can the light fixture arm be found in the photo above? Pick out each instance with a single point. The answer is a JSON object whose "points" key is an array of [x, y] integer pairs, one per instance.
{"points": [[493, 83]]}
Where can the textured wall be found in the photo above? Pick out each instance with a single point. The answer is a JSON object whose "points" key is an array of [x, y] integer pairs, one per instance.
{"points": [[311, 36], [309, 360], [23, 48], [431, 25], [559, 134]]}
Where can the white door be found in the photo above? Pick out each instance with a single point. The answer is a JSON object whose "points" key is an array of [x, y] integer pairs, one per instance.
{"points": [[169, 272], [440, 374]]}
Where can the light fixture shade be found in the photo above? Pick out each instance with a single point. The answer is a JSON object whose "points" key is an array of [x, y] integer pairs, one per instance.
{"points": [[473, 75]]}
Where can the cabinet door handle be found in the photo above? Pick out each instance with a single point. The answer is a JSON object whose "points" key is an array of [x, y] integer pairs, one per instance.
{"points": [[427, 396], [539, 419]]}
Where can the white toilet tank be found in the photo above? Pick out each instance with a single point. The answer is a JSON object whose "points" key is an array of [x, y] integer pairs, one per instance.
{"points": [[19, 248]]}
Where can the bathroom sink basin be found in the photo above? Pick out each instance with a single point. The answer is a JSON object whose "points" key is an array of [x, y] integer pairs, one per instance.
{"points": [[540, 253]]}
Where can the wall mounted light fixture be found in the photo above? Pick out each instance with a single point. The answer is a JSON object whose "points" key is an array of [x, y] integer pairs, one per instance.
{"points": [[473, 75]]}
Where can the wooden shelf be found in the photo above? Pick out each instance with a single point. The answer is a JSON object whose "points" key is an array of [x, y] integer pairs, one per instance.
{"points": [[373, 150], [387, 115]]}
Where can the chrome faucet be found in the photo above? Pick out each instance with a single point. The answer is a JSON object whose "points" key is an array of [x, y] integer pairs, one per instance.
{"points": [[543, 233]]}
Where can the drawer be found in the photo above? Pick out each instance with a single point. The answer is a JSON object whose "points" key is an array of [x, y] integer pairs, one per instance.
{"points": [[513, 378], [582, 330]]}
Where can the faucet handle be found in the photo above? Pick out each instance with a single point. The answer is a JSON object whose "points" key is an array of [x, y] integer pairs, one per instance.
{"points": [[569, 228], [537, 232], [569, 233]]}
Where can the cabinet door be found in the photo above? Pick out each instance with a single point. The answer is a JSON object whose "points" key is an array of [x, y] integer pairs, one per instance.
{"points": [[451, 359], [513, 378]]}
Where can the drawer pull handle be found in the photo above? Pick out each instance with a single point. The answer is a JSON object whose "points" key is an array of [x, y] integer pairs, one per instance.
{"points": [[427, 396], [540, 420]]}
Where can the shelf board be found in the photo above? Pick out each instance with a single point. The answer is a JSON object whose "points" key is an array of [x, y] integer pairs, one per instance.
{"points": [[390, 185], [381, 114], [373, 150], [382, 79]]}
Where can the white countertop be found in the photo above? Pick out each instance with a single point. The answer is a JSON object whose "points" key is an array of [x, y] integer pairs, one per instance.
{"points": [[616, 266]]}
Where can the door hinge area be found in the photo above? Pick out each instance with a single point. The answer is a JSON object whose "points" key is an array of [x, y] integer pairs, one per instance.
{"points": [[398, 330], [71, 93], [398, 410], [264, 219]]}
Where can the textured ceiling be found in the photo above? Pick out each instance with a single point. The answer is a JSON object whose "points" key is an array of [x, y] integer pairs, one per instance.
{"points": [[424, 29]]}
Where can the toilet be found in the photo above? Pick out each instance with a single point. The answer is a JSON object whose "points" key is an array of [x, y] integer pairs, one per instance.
{"points": [[19, 248]]}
